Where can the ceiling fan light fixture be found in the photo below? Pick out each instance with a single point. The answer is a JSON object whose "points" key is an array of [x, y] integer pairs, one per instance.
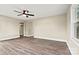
{"points": [[24, 13]]}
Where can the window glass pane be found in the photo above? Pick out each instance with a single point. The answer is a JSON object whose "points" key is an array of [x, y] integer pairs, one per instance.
{"points": [[78, 12], [77, 30]]}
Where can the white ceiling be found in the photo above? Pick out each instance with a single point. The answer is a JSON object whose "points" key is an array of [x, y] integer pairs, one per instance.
{"points": [[39, 10]]}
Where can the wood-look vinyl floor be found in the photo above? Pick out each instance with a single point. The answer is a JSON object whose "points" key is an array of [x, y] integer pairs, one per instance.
{"points": [[32, 46]]}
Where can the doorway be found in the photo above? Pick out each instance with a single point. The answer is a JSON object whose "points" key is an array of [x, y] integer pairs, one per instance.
{"points": [[21, 30]]}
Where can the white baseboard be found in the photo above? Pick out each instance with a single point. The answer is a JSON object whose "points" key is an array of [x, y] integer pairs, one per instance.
{"points": [[69, 48], [28, 35], [62, 40], [8, 38], [72, 49]]}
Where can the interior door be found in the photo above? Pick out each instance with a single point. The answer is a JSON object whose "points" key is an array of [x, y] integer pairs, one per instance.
{"points": [[21, 29]]}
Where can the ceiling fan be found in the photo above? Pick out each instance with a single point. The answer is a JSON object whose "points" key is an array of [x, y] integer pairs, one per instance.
{"points": [[24, 12]]}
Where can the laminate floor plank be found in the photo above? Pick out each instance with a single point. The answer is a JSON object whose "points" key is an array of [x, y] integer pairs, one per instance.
{"points": [[32, 46]]}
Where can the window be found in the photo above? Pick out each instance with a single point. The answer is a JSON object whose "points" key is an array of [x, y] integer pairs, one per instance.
{"points": [[76, 23]]}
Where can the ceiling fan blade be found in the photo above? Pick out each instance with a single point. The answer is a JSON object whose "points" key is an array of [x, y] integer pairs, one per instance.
{"points": [[19, 14], [17, 11], [30, 14]]}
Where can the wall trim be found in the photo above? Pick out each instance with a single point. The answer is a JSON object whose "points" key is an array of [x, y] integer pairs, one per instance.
{"points": [[28, 35], [9, 38], [70, 48], [50, 39]]}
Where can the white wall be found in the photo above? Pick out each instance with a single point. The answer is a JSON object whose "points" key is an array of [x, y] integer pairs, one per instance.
{"points": [[74, 48], [54, 28], [9, 28]]}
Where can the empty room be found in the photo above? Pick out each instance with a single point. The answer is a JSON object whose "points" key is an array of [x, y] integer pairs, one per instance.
{"points": [[39, 29]]}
